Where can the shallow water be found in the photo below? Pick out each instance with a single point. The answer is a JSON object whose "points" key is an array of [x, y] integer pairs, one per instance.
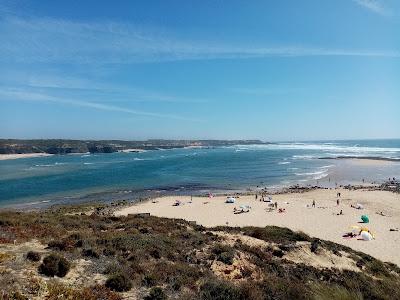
{"points": [[192, 169]]}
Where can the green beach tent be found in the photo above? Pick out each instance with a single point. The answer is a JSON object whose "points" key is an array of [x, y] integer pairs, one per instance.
{"points": [[365, 219]]}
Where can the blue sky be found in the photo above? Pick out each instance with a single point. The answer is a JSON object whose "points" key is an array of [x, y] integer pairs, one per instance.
{"points": [[271, 70]]}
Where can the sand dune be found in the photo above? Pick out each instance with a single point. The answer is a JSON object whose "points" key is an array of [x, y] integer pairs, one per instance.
{"points": [[322, 221]]}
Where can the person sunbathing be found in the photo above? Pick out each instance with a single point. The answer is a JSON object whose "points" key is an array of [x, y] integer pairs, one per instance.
{"points": [[350, 234], [281, 210]]}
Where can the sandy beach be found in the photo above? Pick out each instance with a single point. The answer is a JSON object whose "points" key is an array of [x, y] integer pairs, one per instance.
{"points": [[321, 221], [25, 155]]}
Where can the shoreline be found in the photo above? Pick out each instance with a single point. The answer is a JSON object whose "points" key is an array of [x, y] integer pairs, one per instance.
{"points": [[23, 155], [362, 158], [133, 197], [322, 221]]}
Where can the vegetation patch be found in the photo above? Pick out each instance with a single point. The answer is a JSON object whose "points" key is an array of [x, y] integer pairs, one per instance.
{"points": [[159, 258], [119, 283], [54, 265]]}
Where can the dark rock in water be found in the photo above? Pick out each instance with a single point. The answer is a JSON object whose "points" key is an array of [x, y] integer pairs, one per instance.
{"points": [[391, 186]]}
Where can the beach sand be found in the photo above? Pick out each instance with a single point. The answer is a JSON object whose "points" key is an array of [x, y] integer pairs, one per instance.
{"points": [[321, 222], [25, 155]]}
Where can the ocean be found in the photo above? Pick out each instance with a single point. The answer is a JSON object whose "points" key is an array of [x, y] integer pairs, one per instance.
{"points": [[118, 176]]}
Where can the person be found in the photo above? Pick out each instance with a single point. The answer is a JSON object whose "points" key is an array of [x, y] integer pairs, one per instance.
{"points": [[313, 203], [276, 205], [341, 213], [256, 197], [282, 210], [337, 202], [350, 234]]}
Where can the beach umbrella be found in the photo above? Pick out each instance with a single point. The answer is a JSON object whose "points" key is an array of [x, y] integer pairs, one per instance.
{"points": [[365, 218], [366, 236]]}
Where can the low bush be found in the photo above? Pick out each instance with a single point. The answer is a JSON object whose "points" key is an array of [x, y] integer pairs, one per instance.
{"points": [[224, 253], [119, 282], [58, 291], [156, 293], [33, 256], [276, 234], [219, 290], [54, 265], [61, 245], [149, 280], [90, 253]]}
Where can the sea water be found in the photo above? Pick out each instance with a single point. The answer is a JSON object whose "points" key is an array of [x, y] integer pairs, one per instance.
{"points": [[187, 170]]}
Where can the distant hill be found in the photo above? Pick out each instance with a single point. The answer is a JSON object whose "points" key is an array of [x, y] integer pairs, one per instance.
{"points": [[60, 146]]}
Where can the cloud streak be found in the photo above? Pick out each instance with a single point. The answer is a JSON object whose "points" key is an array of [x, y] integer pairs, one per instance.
{"points": [[22, 95], [59, 41], [374, 6]]}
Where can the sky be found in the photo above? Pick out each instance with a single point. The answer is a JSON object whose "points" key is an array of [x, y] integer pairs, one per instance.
{"points": [[271, 69]]}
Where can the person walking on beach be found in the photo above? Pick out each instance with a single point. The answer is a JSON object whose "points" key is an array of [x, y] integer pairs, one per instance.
{"points": [[313, 203], [276, 205], [337, 202]]}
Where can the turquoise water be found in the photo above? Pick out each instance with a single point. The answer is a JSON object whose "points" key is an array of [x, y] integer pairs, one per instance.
{"points": [[185, 170]]}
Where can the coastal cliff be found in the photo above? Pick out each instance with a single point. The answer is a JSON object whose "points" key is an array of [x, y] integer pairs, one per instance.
{"points": [[60, 146]]}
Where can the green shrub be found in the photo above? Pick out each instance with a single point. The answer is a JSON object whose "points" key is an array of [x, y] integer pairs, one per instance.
{"points": [[276, 234], [61, 245], [119, 282], [149, 280], [33, 256], [224, 253], [54, 265], [156, 293], [219, 290], [90, 253]]}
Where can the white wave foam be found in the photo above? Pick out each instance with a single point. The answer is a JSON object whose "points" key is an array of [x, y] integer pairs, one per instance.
{"points": [[320, 176], [304, 157], [333, 148], [284, 162], [326, 167], [310, 173]]}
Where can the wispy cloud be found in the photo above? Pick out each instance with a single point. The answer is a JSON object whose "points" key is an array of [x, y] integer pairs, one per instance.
{"points": [[23, 95], [262, 91], [51, 40], [375, 6], [118, 93]]}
